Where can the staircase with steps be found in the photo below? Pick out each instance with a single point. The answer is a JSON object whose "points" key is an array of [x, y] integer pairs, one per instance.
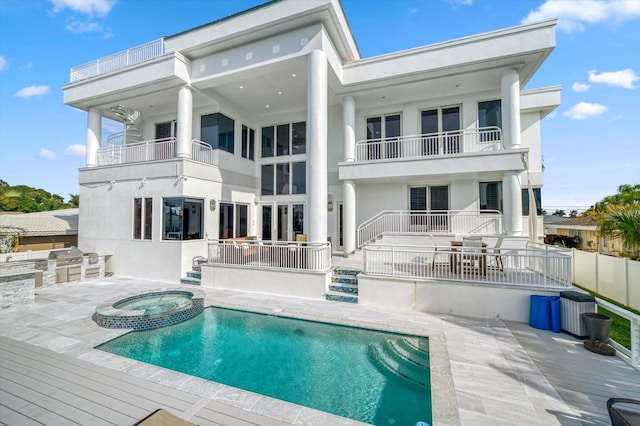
{"points": [[405, 359], [194, 277], [343, 286]]}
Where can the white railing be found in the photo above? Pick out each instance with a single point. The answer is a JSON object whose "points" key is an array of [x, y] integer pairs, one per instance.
{"points": [[512, 267], [285, 255], [202, 152], [429, 145], [118, 60], [634, 322], [159, 149], [485, 222]]}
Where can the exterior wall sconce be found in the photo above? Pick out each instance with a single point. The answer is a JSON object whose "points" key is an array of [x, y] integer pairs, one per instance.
{"points": [[330, 206], [212, 205]]}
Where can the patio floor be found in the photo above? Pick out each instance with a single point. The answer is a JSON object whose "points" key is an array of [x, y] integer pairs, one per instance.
{"points": [[502, 373]]}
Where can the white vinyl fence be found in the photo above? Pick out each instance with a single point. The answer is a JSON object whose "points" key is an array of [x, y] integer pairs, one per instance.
{"points": [[613, 277]]}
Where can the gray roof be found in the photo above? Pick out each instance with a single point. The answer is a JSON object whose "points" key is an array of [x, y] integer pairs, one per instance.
{"points": [[54, 222]]}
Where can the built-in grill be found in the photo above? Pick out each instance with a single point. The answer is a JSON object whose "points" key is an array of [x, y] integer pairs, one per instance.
{"points": [[66, 256], [68, 264]]}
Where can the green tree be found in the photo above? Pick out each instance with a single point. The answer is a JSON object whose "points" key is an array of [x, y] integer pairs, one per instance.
{"points": [[622, 222], [23, 198], [74, 200], [573, 213], [559, 213], [627, 195]]}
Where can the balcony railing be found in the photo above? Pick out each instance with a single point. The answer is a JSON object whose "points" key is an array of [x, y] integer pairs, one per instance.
{"points": [[119, 60], [486, 222], [430, 145], [159, 149], [287, 255], [513, 267]]}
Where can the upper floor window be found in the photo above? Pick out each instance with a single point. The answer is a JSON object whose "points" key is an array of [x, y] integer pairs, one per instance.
{"points": [[284, 178], [383, 133], [248, 142], [166, 130], [284, 139], [218, 131], [142, 218], [490, 113], [443, 124]]}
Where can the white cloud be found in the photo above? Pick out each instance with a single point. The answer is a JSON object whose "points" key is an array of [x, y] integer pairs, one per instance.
{"points": [[580, 87], [574, 15], [461, 2], [76, 150], [413, 11], [87, 7], [26, 67], [624, 78], [46, 154], [584, 110], [77, 27], [28, 92], [3, 63]]}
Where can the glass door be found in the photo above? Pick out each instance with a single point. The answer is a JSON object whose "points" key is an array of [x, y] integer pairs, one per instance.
{"points": [[438, 207]]}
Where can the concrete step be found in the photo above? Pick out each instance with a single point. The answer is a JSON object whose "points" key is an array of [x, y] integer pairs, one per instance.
{"points": [[340, 297], [194, 274], [351, 289], [191, 281]]}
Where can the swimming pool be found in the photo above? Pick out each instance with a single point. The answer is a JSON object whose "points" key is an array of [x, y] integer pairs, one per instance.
{"points": [[370, 376]]}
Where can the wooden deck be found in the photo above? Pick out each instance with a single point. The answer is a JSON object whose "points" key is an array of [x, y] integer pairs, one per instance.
{"points": [[42, 387]]}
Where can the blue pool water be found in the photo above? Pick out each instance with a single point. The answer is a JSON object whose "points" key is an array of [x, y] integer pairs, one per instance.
{"points": [[375, 377]]}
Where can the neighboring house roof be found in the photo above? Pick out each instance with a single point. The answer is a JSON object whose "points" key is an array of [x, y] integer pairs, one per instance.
{"points": [[54, 222], [583, 222]]}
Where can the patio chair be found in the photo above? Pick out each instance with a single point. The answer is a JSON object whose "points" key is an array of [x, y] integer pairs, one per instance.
{"points": [[473, 255], [624, 414]]}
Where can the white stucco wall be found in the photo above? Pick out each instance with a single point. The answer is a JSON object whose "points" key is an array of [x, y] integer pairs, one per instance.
{"points": [[448, 298]]}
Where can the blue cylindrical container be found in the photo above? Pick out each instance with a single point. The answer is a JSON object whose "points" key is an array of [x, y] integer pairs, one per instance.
{"points": [[539, 312]]}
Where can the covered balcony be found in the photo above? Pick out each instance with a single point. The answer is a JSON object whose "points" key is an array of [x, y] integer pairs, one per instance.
{"points": [[459, 152]]}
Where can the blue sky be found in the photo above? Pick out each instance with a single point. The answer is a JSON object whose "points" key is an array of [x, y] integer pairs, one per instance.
{"points": [[590, 144]]}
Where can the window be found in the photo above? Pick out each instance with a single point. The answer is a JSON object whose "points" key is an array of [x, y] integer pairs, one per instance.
{"points": [[267, 179], [182, 219], [248, 142], [491, 196], [284, 178], [217, 131], [267, 141], [234, 219], [284, 139], [443, 127], [432, 199], [166, 130], [383, 133], [525, 201], [142, 218], [490, 115]]}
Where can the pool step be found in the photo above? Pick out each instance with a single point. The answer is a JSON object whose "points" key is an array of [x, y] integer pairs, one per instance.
{"points": [[190, 281], [343, 286], [194, 274], [392, 359]]}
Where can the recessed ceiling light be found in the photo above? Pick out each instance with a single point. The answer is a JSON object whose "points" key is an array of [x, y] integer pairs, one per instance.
{"points": [[266, 106], [242, 87], [293, 75], [279, 93]]}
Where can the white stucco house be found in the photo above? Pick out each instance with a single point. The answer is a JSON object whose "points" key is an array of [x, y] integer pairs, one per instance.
{"points": [[269, 124]]}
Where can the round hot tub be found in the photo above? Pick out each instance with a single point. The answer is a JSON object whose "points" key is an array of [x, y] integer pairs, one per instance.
{"points": [[151, 310]]}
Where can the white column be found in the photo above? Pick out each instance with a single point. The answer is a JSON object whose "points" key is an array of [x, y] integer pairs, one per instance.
{"points": [[349, 218], [94, 132], [510, 85], [349, 119], [512, 203], [185, 122], [317, 147]]}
